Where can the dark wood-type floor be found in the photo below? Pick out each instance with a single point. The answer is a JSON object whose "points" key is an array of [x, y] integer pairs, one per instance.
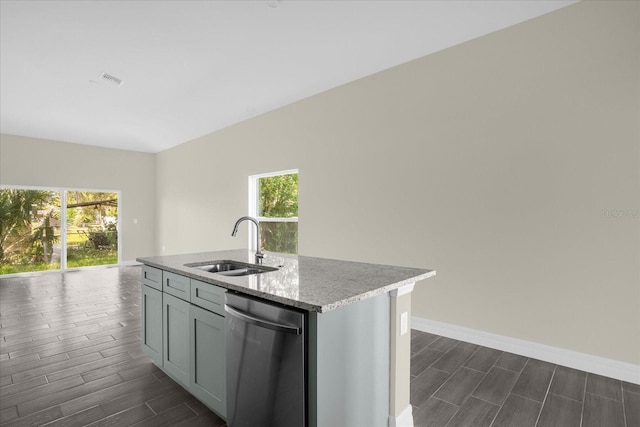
{"points": [[457, 384], [70, 356]]}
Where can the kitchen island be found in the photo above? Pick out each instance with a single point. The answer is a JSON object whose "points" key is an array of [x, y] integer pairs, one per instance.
{"points": [[358, 340]]}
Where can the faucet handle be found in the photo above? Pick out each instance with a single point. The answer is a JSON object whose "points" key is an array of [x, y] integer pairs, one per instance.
{"points": [[259, 257]]}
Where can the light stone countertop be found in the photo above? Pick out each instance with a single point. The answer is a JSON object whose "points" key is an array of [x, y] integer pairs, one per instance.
{"points": [[313, 284]]}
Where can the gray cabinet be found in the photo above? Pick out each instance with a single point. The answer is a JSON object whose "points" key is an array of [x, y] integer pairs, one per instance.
{"points": [[175, 326], [208, 296], [176, 285], [152, 277], [152, 323], [183, 332], [208, 365]]}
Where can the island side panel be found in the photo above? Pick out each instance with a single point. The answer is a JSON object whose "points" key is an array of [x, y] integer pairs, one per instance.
{"points": [[400, 412], [349, 365]]}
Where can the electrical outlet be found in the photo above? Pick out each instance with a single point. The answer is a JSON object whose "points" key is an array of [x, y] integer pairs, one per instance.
{"points": [[404, 323]]}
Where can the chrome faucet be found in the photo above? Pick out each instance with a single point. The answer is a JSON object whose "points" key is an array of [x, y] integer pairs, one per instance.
{"points": [[259, 254]]}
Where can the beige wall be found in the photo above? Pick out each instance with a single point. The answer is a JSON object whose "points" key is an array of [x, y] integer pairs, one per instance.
{"points": [[492, 162], [42, 163]]}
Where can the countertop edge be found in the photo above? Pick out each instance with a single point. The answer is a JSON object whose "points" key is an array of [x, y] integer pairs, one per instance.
{"points": [[374, 293], [287, 301], [230, 286]]}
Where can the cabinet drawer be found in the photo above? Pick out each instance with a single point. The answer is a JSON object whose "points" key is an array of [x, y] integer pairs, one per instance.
{"points": [[152, 277], [176, 285], [208, 296]]}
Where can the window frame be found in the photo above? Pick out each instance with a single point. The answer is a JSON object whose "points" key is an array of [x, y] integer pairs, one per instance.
{"points": [[253, 203]]}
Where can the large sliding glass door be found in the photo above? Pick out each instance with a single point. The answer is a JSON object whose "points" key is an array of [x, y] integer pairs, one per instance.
{"points": [[29, 230], [92, 232], [43, 229]]}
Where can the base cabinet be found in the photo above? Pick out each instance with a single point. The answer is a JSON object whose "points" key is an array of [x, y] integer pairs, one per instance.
{"points": [[208, 365], [152, 324], [175, 360], [186, 341]]}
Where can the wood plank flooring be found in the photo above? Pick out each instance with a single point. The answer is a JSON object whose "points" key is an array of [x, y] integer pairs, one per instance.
{"points": [[70, 356], [458, 384]]}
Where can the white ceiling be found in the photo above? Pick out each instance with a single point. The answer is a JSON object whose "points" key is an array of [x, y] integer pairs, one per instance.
{"points": [[193, 67]]}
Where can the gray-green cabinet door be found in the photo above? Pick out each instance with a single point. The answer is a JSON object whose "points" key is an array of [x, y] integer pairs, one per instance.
{"points": [[176, 338], [152, 323], [208, 360]]}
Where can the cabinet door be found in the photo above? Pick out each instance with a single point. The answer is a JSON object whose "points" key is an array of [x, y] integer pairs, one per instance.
{"points": [[176, 338], [208, 359], [152, 324]]}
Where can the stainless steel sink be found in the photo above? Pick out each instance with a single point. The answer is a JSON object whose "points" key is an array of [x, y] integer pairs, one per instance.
{"points": [[230, 268]]}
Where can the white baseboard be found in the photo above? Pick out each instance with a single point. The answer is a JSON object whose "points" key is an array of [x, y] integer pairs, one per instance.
{"points": [[405, 419], [129, 263], [559, 356]]}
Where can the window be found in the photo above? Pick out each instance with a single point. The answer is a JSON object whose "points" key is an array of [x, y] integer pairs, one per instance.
{"points": [[273, 200]]}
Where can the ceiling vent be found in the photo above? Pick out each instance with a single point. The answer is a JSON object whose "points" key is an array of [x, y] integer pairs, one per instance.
{"points": [[111, 79]]}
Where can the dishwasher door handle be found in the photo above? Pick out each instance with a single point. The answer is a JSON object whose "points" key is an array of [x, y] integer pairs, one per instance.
{"points": [[262, 322]]}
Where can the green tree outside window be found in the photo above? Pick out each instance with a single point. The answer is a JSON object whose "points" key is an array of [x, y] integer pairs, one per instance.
{"points": [[277, 210]]}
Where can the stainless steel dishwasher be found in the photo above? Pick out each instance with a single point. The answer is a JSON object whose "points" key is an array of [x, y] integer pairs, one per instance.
{"points": [[266, 364]]}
